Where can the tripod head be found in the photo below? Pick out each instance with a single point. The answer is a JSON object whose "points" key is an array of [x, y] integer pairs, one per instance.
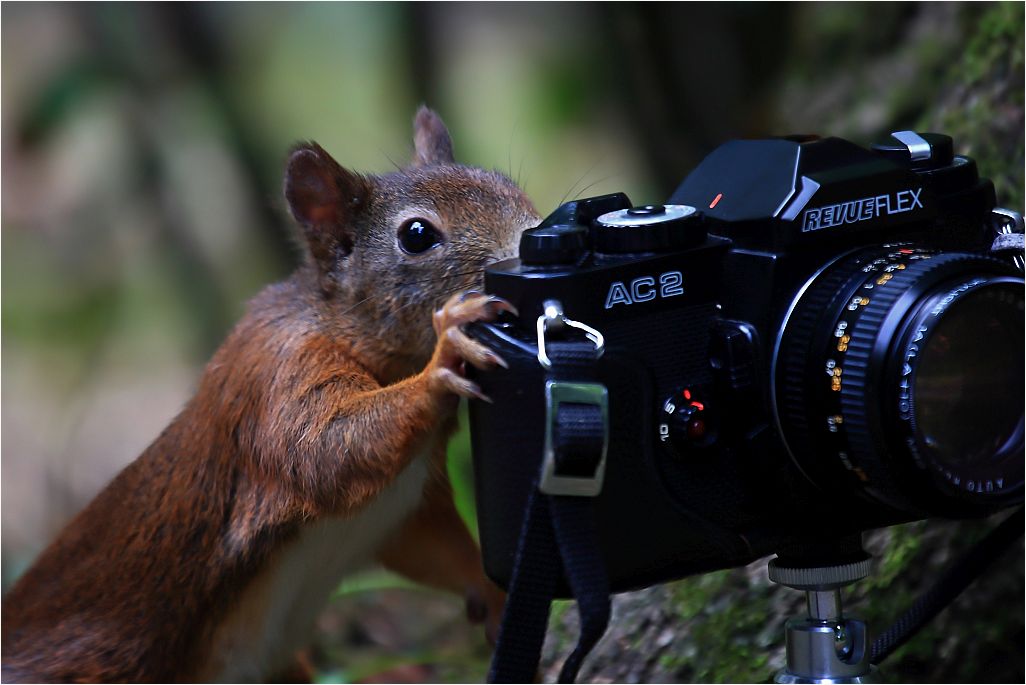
{"points": [[824, 646]]}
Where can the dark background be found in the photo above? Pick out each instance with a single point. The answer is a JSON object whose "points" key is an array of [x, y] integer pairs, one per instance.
{"points": [[142, 148]]}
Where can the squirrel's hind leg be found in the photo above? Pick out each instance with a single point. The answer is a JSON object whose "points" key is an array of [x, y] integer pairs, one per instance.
{"points": [[434, 548]]}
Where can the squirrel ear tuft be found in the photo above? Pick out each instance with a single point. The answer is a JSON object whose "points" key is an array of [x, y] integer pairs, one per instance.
{"points": [[431, 140], [324, 198]]}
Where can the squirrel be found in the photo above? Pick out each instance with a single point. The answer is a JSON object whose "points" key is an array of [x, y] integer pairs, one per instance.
{"points": [[315, 443]]}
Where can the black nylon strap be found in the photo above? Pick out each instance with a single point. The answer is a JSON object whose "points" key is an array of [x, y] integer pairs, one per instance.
{"points": [[578, 439], [536, 570], [952, 582], [577, 536], [558, 535]]}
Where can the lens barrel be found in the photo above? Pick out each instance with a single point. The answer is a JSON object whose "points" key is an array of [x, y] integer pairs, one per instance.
{"points": [[898, 374]]}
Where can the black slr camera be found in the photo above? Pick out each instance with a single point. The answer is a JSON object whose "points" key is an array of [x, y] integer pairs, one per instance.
{"points": [[809, 340]]}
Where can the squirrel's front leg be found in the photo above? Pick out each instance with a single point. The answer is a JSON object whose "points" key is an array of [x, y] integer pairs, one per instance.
{"points": [[355, 437], [433, 546]]}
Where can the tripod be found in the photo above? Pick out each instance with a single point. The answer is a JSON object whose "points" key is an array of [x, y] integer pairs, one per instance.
{"points": [[824, 646]]}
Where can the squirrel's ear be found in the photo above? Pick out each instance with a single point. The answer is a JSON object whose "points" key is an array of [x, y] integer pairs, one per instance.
{"points": [[324, 197], [431, 140]]}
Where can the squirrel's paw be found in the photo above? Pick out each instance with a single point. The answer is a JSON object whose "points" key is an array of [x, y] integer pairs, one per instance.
{"points": [[455, 347], [485, 605]]}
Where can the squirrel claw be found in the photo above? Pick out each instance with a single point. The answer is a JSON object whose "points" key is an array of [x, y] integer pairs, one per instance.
{"points": [[473, 352], [463, 309], [458, 385], [502, 305]]}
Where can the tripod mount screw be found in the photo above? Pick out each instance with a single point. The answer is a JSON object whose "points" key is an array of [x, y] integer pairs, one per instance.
{"points": [[820, 578]]}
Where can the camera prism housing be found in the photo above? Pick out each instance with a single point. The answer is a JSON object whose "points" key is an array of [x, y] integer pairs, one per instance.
{"points": [[810, 339]]}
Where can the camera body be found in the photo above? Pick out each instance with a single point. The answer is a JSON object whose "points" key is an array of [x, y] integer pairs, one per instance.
{"points": [[792, 355]]}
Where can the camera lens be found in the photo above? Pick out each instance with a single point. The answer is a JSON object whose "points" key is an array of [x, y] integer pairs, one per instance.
{"points": [[898, 374], [969, 373]]}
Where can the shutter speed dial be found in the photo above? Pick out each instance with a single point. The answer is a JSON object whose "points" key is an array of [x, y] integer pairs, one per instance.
{"points": [[684, 421], [648, 228]]}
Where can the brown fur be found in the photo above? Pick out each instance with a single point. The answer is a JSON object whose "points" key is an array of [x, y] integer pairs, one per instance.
{"points": [[311, 407]]}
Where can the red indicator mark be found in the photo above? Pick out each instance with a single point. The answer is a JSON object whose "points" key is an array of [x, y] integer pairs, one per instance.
{"points": [[715, 200], [698, 405], [687, 394], [905, 251]]}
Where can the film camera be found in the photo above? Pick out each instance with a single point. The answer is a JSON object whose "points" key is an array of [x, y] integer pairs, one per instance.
{"points": [[808, 340]]}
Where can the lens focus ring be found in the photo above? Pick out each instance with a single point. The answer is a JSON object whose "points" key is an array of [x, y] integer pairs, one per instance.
{"points": [[796, 363]]}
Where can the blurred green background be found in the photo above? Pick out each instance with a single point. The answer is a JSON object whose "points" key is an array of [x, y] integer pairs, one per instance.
{"points": [[142, 150]]}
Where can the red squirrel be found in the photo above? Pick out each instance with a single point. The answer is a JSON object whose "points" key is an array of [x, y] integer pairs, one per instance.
{"points": [[314, 444]]}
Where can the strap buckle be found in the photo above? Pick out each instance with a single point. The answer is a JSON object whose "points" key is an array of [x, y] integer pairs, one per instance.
{"points": [[553, 316], [557, 393]]}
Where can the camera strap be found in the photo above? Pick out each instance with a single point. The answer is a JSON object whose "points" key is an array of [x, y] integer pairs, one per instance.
{"points": [[559, 534]]}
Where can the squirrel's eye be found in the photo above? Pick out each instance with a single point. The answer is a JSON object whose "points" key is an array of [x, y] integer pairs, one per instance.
{"points": [[418, 235]]}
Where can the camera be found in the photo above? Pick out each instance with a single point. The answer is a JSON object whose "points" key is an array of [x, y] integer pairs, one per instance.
{"points": [[808, 340]]}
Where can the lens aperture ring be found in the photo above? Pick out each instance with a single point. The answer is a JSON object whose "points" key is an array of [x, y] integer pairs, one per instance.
{"points": [[860, 388]]}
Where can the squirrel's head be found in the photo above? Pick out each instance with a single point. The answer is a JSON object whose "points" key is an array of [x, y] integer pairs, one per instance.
{"points": [[388, 250]]}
